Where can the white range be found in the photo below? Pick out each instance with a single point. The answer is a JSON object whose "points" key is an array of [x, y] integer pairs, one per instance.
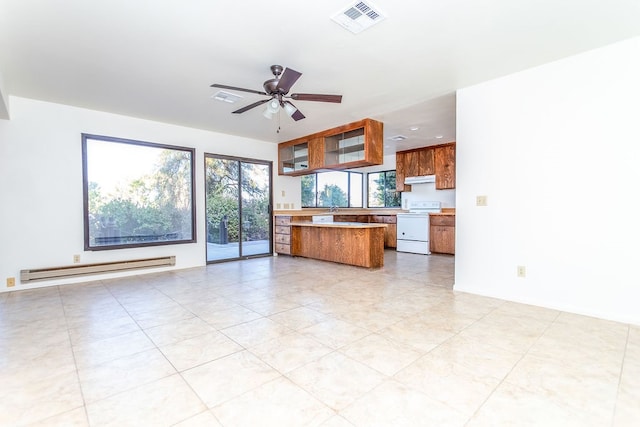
{"points": [[413, 227]]}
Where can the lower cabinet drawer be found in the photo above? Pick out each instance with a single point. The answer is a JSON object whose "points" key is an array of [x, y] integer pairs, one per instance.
{"points": [[383, 219], [345, 218], [445, 220], [283, 238], [283, 220], [281, 248], [283, 229]]}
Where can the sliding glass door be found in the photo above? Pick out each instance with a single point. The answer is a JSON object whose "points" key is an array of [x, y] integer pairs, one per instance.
{"points": [[238, 207]]}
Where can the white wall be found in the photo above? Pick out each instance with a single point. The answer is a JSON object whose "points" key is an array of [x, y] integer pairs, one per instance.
{"points": [[4, 100], [41, 184], [556, 150]]}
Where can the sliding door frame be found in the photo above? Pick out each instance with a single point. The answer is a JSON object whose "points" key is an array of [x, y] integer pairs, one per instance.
{"points": [[241, 160]]}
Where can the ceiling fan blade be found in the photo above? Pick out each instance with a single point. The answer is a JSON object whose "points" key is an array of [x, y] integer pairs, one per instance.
{"points": [[250, 106], [238, 88], [296, 115], [289, 77], [316, 97]]}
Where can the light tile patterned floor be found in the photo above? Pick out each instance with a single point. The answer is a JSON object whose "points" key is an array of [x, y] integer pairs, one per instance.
{"points": [[294, 342]]}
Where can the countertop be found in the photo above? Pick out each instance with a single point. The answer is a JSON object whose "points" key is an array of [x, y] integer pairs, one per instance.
{"points": [[353, 211], [337, 224], [445, 211], [343, 211]]}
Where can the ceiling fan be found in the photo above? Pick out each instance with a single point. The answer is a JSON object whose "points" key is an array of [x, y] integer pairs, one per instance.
{"points": [[277, 89]]}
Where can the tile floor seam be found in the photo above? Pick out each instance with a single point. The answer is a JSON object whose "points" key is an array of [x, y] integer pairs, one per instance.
{"points": [[198, 396], [156, 347], [615, 407], [504, 378], [73, 355]]}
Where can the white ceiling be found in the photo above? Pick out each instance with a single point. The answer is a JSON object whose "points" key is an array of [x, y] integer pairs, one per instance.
{"points": [[155, 59]]}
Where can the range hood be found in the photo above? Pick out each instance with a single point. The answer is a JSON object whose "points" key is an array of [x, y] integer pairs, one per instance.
{"points": [[423, 179]]}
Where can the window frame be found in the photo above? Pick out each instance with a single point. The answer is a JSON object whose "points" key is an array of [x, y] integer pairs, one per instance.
{"points": [[385, 199], [86, 138], [316, 193]]}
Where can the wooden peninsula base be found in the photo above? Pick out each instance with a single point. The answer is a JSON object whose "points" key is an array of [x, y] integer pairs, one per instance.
{"points": [[357, 244]]}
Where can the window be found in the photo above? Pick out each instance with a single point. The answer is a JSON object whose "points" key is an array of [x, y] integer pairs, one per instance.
{"points": [[136, 193], [327, 189], [381, 190]]}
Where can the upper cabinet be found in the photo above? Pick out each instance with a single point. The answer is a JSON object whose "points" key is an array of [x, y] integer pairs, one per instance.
{"points": [[438, 160], [445, 166], [294, 158], [349, 146]]}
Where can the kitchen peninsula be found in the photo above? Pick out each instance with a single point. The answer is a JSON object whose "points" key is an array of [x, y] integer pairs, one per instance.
{"points": [[359, 244]]}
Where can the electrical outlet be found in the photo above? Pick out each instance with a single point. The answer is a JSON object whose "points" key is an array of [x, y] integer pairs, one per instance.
{"points": [[11, 281], [522, 271], [481, 200], [283, 193], [76, 259]]}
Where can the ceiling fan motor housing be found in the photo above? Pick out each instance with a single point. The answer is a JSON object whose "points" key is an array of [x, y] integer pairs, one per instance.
{"points": [[271, 87]]}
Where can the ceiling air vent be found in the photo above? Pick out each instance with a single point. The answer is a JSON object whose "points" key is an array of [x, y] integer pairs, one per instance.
{"points": [[226, 97], [398, 138], [358, 17]]}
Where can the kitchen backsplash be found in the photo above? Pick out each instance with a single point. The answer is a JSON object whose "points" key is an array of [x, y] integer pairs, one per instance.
{"points": [[429, 192]]}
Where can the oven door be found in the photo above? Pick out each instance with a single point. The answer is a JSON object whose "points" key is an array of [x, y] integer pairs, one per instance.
{"points": [[413, 227], [413, 234]]}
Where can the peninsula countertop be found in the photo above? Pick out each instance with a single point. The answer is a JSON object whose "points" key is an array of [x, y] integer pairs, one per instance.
{"points": [[337, 224], [350, 211], [340, 211]]}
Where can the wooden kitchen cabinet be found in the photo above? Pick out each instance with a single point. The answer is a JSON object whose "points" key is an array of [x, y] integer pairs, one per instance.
{"points": [[352, 145], [445, 166], [426, 164], [439, 160], [412, 163], [282, 232], [391, 232], [298, 156], [351, 218], [442, 234], [401, 173]]}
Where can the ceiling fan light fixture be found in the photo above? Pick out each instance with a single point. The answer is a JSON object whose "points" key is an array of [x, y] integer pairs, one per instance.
{"points": [[273, 106], [289, 109], [267, 113]]}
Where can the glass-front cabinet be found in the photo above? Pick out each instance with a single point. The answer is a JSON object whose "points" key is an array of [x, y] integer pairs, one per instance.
{"points": [[294, 158], [349, 146], [345, 147]]}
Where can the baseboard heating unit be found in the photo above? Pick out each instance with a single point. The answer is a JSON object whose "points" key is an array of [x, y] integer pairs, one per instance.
{"points": [[97, 268]]}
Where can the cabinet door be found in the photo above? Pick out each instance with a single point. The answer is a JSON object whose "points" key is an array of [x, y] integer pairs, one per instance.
{"points": [[357, 144], [400, 173], [316, 153], [445, 166], [391, 236], [293, 158], [425, 162], [442, 239], [412, 163]]}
